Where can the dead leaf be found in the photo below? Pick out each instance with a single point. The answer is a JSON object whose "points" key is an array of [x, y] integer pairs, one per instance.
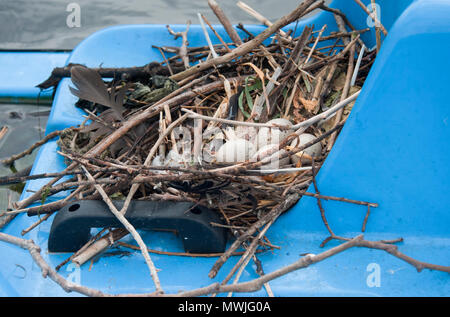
{"points": [[310, 105], [298, 117], [339, 82], [261, 76]]}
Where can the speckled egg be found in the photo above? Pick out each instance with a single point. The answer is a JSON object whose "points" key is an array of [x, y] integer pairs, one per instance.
{"points": [[275, 162], [314, 150], [268, 136]]}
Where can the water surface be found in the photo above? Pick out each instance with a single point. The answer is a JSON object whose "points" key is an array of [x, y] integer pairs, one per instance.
{"points": [[41, 24]]}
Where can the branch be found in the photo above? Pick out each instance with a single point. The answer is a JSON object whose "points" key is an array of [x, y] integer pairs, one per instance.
{"points": [[13, 158], [183, 49], [35, 252], [225, 22], [130, 229], [250, 45], [124, 73], [373, 16], [393, 249]]}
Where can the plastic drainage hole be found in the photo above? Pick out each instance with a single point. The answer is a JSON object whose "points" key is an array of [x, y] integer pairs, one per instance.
{"points": [[196, 211], [74, 207]]}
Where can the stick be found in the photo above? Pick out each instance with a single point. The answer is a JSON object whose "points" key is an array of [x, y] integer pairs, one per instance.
{"points": [[99, 246], [130, 228], [282, 170], [377, 27], [339, 13], [13, 179], [46, 269], [37, 223], [273, 214], [374, 17], [258, 16], [393, 249], [366, 217], [215, 33], [165, 60], [248, 46], [319, 203], [194, 115], [257, 284], [185, 254], [183, 49], [327, 113], [315, 44], [28, 151], [246, 257], [4, 220], [3, 132], [344, 95], [84, 247], [45, 208], [208, 40], [334, 58], [358, 64], [300, 45], [125, 73], [352, 201], [225, 22], [149, 158]]}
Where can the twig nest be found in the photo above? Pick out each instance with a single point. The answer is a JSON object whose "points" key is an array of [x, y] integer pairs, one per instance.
{"points": [[271, 151], [313, 150], [234, 151], [268, 136]]}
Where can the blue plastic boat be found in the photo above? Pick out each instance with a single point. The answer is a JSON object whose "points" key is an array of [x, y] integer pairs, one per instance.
{"points": [[394, 150]]}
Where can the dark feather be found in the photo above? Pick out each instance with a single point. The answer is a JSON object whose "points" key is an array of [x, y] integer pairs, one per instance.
{"points": [[91, 87], [91, 127], [110, 115]]}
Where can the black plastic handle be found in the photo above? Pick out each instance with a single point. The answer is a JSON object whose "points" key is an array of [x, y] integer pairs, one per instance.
{"points": [[72, 224]]}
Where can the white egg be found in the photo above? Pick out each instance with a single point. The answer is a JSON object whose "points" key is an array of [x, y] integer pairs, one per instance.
{"points": [[273, 135], [275, 162], [234, 151], [157, 161], [313, 150], [174, 159]]}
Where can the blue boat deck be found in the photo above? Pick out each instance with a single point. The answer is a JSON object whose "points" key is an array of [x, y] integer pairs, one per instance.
{"points": [[393, 151]]}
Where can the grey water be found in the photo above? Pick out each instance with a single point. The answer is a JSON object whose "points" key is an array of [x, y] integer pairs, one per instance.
{"points": [[25, 125], [43, 24]]}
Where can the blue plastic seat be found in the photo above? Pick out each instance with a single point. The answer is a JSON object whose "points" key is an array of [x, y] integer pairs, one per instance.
{"points": [[23, 70], [394, 150]]}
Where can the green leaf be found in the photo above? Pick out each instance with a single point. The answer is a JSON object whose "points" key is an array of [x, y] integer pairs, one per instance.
{"points": [[307, 83], [247, 95], [241, 106]]}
